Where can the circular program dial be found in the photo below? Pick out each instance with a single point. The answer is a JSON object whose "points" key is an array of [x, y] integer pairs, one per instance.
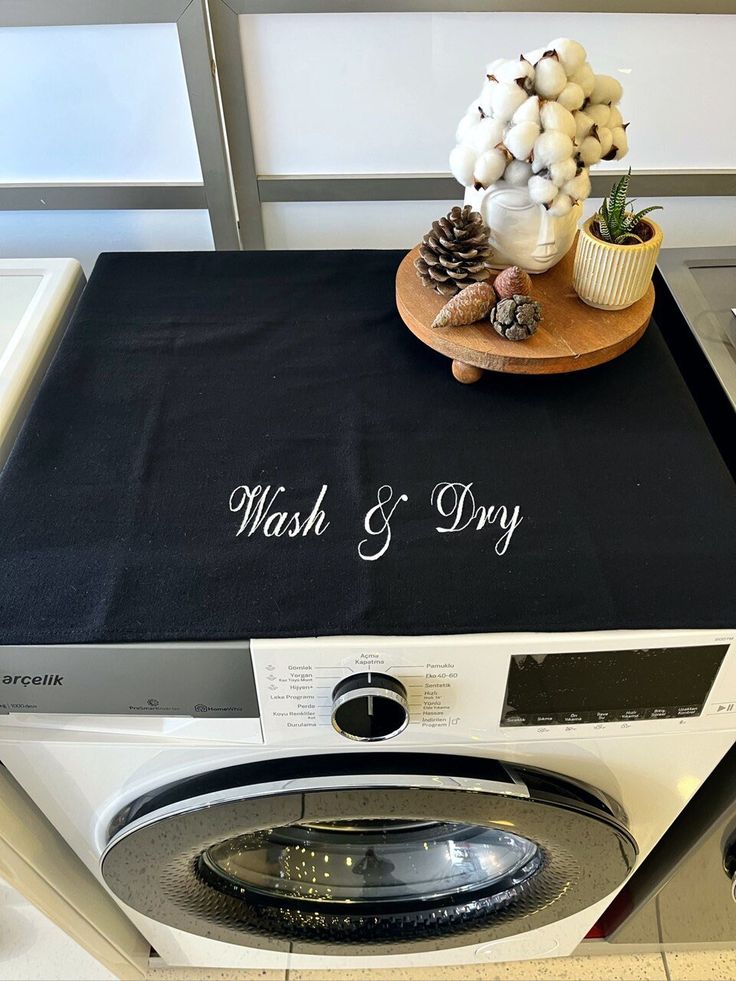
{"points": [[369, 707]]}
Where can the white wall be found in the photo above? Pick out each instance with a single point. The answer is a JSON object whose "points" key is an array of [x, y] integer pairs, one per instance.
{"points": [[95, 103], [84, 234], [687, 222], [87, 104], [336, 93], [382, 93]]}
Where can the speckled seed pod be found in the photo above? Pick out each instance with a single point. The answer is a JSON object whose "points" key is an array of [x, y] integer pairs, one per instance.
{"points": [[516, 318], [512, 281], [471, 304]]}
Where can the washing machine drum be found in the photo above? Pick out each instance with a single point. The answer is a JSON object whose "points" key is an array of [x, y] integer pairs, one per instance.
{"points": [[367, 852]]}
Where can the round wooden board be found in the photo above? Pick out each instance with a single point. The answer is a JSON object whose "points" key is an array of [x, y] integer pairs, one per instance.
{"points": [[570, 337]]}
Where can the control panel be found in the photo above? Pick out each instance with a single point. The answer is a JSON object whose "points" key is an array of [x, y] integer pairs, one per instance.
{"points": [[460, 688], [623, 685]]}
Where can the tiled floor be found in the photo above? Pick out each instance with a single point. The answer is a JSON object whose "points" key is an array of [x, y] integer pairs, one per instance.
{"points": [[681, 966], [34, 949], [702, 965], [636, 967]]}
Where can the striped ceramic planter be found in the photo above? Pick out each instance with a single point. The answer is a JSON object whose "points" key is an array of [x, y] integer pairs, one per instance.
{"points": [[612, 277]]}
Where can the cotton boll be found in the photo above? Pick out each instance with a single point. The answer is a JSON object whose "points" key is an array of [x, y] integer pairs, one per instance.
{"points": [[615, 118], [583, 125], [484, 100], [571, 97], [620, 142], [599, 114], [493, 65], [506, 98], [572, 54], [506, 71], [551, 147], [561, 205], [484, 135], [462, 165], [528, 111], [606, 89], [469, 120], [606, 140], [562, 171], [517, 71], [535, 55], [517, 173], [590, 151], [550, 78], [541, 190], [579, 187], [585, 78], [555, 116], [475, 107], [489, 167], [520, 139]]}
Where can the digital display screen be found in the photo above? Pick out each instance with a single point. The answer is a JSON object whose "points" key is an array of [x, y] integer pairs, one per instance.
{"points": [[608, 686]]}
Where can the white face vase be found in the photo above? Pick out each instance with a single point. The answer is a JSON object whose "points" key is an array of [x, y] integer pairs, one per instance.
{"points": [[523, 233]]}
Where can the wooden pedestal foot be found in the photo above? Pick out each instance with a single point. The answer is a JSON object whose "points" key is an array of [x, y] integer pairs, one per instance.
{"points": [[466, 373]]}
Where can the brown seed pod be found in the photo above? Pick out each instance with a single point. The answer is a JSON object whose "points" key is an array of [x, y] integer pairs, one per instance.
{"points": [[511, 282], [516, 318], [471, 304]]}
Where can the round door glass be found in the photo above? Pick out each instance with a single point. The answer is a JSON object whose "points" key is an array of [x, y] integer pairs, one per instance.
{"points": [[371, 861]]}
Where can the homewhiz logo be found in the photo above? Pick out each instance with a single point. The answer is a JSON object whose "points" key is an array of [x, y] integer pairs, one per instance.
{"points": [[50, 680]]}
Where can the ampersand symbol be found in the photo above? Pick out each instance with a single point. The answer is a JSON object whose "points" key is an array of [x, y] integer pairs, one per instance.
{"points": [[378, 521]]}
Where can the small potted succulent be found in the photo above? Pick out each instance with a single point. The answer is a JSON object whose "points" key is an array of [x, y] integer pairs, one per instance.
{"points": [[616, 253]]}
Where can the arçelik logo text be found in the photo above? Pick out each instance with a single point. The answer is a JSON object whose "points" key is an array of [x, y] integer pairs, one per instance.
{"points": [[50, 680]]}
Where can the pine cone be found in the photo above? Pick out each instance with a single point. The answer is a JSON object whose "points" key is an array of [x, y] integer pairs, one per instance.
{"points": [[455, 252], [512, 282], [516, 318], [471, 304]]}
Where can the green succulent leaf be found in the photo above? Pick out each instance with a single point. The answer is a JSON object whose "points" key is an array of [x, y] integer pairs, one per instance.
{"points": [[617, 219], [629, 222], [645, 211], [619, 192]]}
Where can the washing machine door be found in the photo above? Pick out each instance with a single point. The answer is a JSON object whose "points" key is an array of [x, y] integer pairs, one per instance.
{"points": [[366, 853]]}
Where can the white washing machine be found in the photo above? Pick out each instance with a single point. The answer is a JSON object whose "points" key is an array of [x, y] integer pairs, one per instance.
{"points": [[378, 801], [429, 783]]}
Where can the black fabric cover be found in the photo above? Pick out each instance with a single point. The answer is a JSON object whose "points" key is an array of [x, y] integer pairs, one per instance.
{"points": [[183, 376]]}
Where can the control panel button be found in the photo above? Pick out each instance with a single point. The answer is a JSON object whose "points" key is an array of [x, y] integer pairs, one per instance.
{"points": [[571, 718], [685, 711], [544, 719], [604, 715], [516, 719], [369, 707]]}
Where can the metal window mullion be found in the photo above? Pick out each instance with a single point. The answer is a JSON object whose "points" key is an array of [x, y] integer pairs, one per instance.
{"points": [[208, 124], [482, 6], [83, 13], [102, 196], [231, 77], [440, 187]]}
